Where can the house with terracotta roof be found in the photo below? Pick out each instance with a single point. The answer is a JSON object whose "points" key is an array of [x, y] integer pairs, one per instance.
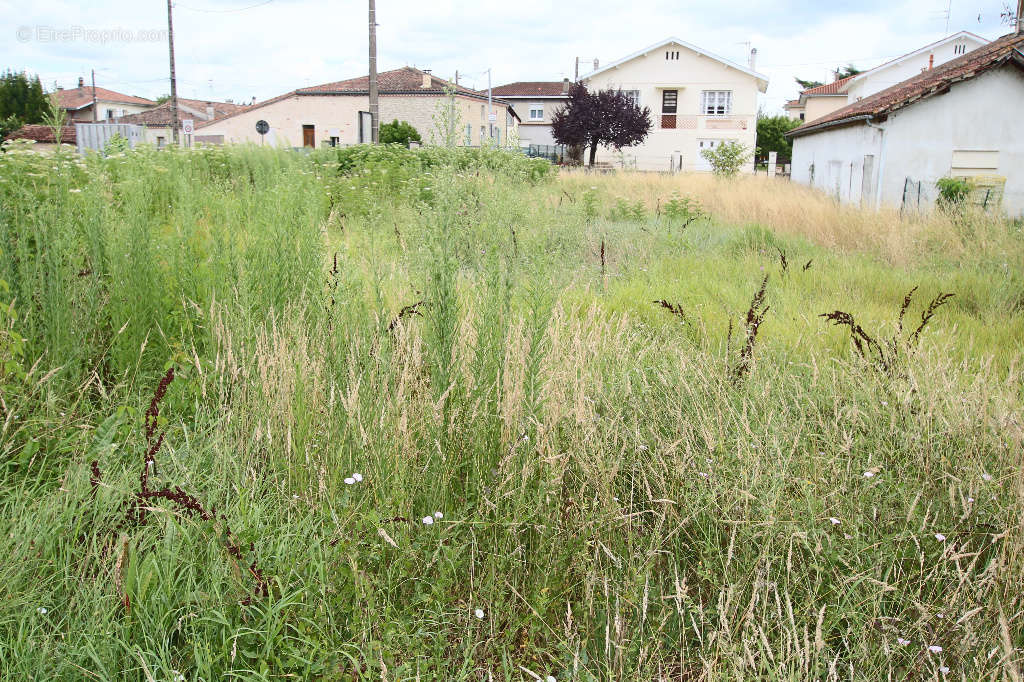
{"points": [[338, 113], [814, 103], [697, 99], [535, 102], [156, 122], [86, 103], [960, 119]]}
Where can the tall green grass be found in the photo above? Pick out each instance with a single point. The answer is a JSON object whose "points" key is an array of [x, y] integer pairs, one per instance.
{"points": [[612, 499]]}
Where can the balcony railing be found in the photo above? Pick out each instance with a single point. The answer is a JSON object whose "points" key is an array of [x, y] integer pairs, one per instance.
{"points": [[679, 122]]}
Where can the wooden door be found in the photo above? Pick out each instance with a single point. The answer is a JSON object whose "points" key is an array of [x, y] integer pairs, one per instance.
{"points": [[308, 136]]}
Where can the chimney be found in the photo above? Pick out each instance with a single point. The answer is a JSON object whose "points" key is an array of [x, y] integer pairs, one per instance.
{"points": [[597, 63], [81, 82], [565, 86], [253, 100], [209, 111], [426, 79], [753, 59], [931, 62]]}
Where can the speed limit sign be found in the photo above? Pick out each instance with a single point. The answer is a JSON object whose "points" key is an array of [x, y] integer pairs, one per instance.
{"points": [[188, 126]]}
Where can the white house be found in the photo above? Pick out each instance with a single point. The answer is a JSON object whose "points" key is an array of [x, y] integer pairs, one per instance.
{"points": [[960, 119], [535, 102], [87, 103], [338, 113], [815, 103], [697, 100]]}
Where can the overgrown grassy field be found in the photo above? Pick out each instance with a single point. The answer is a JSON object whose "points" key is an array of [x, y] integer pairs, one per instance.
{"points": [[449, 415]]}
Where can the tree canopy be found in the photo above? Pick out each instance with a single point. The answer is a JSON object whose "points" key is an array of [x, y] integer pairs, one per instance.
{"points": [[398, 132], [771, 135], [21, 97], [606, 117]]}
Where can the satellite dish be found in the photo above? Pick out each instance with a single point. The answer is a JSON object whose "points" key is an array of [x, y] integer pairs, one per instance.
{"points": [[262, 127]]}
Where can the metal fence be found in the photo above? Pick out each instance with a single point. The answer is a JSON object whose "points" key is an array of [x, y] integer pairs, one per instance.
{"points": [[552, 152], [95, 136]]}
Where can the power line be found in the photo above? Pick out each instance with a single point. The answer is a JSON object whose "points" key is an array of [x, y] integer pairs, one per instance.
{"points": [[223, 11]]}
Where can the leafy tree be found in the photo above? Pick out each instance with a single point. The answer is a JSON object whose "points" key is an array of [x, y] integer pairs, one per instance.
{"points": [[607, 117], [22, 97], [847, 71], [806, 84], [163, 98], [398, 132], [771, 135], [8, 126], [727, 159]]}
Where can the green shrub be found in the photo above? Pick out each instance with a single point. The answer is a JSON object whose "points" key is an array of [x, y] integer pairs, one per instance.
{"points": [[953, 192], [399, 132], [727, 159]]}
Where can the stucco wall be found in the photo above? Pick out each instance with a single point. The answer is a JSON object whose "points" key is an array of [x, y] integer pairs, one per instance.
{"points": [[101, 107], [339, 116], [691, 74], [918, 142], [822, 106]]}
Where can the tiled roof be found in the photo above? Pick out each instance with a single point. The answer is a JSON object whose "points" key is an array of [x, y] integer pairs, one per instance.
{"points": [[404, 81], [530, 89], [161, 115], [41, 133], [792, 103], [81, 97], [1008, 49], [833, 88]]}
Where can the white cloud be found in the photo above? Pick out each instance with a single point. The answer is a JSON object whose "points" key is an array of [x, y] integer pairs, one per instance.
{"points": [[270, 49]]}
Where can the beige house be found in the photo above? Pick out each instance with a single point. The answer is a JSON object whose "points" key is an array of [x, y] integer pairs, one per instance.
{"points": [[818, 102], [697, 100], [338, 113], [156, 122], [86, 103], [535, 102]]}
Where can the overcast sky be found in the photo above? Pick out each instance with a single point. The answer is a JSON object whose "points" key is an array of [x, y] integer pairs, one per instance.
{"points": [[241, 49]]}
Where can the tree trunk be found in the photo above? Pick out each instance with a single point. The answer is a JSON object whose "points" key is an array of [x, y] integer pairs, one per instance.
{"points": [[593, 153]]}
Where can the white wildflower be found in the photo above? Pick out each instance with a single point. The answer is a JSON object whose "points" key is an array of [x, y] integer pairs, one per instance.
{"points": [[479, 613], [847, 536], [987, 476], [438, 515], [702, 474], [970, 500], [358, 477], [943, 669], [902, 642], [41, 610], [940, 537], [834, 521], [75, 191], [550, 678], [427, 520], [935, 649], [869, 474], [349, 480]]}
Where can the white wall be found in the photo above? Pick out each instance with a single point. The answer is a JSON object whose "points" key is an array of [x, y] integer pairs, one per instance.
{"points": [[691, 74], [981, 114], [834, 162]]}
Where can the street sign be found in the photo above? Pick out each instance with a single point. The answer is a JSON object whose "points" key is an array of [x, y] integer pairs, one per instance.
{"points": [[188, 126], [262, 127]]}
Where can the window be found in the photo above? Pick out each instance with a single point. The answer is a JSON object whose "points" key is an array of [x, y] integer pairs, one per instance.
{"points": [[633, 95], [716, 102], [160, 142], [669, 99], [110, 114], [960, 48], [536, 112], [334, 141], [469, 134], [801, 115]]}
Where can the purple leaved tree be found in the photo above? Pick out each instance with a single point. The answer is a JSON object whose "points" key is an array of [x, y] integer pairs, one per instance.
{"points": [[606, 117]]}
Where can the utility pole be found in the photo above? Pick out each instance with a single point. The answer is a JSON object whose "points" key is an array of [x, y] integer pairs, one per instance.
{"points": [[490, 106], [174, 81], [1020, 17], [94, 118], [576, 72], [456, 77], [374, 100]]}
